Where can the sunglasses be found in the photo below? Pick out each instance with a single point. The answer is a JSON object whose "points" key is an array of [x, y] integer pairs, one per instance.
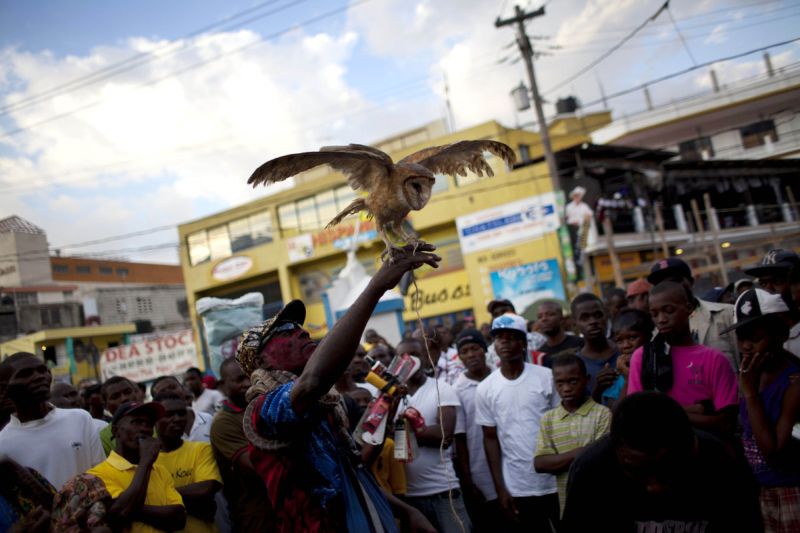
{"points": [[285, 326]]}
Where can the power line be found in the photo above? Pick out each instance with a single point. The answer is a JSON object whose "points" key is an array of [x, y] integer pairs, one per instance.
{"points": [[678, 31], [138, 60], [613, 49], [193, 66], [691, 69]]}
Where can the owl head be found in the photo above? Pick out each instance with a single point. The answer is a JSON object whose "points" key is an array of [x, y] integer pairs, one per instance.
{"points": [[417, 191]]}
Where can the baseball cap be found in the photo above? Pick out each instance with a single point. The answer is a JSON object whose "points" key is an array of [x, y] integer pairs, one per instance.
{"points": [[152, 409], [470, 336], [494, 303], [778, 261], [755, 304], [510, 322], [640, 286], [672, 267], [254, 339]]}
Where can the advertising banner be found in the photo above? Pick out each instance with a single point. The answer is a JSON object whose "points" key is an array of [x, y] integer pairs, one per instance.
{"points": [[527, 284], [509, 223], [150, 356]]}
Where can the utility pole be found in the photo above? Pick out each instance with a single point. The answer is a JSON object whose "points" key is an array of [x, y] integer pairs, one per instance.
{"points": [[526, 49]]}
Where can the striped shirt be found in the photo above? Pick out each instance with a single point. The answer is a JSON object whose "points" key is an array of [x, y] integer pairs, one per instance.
{"points": [[561, 431]]}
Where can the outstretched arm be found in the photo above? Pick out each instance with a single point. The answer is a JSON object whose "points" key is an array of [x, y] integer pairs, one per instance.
{"points": [[333, 355]]}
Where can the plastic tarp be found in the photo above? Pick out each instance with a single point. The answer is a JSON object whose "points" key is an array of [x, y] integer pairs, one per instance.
{"points": [[224, 320]]}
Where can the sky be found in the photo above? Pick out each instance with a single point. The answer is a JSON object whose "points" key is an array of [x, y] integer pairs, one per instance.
{"points": [[133, 117]]}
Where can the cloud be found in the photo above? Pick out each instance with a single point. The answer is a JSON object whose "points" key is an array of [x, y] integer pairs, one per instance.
{"points": [[181, 144], [717, 35]]}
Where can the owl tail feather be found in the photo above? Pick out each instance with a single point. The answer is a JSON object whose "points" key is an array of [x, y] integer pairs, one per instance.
{"points": [[359, 204]]}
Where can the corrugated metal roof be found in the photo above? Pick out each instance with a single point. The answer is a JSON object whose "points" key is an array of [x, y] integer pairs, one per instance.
{"points": [[15, 224]]}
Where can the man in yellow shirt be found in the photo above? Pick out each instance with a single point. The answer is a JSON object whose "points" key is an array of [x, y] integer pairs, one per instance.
{"points": [[191, 465], [144, 496]]}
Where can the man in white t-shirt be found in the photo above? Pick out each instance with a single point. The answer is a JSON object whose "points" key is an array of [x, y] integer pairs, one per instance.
{"points": [[430, 481], [509, 404], [57, 443], [205, 400], [480, 495]]}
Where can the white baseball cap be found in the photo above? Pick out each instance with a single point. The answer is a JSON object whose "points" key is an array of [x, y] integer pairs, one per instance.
{"points": [[510, 322]]}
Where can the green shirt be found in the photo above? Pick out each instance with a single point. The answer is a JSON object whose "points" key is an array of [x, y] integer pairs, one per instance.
{"points": [[561, 431], [107, 439]]}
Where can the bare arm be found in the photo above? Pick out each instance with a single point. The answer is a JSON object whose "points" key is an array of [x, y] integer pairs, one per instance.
{"points": [[333, 355], [432, 435], [199, 498], [555, 463], [164, 517], [462, 460], [491, 446], [722, 421], [772, 441], [126, 507]]}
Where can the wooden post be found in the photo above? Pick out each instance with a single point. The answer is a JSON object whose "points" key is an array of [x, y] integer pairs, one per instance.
{"points": [[715, 235], [612, 253], [698, 222], [793, 203], [660, 224]]}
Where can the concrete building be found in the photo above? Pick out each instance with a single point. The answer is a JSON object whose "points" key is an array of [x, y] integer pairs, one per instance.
{"points": [[39, 292]]}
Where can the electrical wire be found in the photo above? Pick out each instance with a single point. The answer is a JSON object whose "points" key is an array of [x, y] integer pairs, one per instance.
{"points": [[140, 59], [678, 31], [257, 42], [613, 49]]}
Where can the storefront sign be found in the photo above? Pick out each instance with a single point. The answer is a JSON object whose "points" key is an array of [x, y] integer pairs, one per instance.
{"points": [[232, 268], [438, 295], [300, 247], [508, 223], [526, 284], [150, 357]]}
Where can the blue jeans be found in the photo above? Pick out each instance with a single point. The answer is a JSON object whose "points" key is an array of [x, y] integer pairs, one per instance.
{"points": [[437, 510]]}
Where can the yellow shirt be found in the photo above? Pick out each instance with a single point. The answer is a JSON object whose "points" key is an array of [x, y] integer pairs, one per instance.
{"points": [[117, 475], [193, 462], [388, 471]]}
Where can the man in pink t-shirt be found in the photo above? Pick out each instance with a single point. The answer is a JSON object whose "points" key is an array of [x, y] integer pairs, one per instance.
{"points": [[698, 377]]}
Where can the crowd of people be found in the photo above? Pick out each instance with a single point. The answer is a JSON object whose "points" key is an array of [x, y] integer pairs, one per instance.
{"points": [[652, 410]]}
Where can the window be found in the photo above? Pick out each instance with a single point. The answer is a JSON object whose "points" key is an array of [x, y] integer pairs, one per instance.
{"points": [[219, 242], [55, 316], [696, 149], [524, 153], [239, 231], [261, 228], [227, 239], [198, 247], [287, 217], [326, 206], [60, 269], [307, 214], [83, 269], [758, 134], [144, 305], [122, 272], [45, 316], [106, 271], [26, 298]]}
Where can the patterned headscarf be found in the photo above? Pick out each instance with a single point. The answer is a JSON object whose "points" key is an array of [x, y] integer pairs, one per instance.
{"points": [[80, 505], [254, 339]]}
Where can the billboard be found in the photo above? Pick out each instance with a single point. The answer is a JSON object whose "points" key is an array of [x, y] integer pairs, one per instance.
{"points": [[509, 223], [527, 284], [150, 356]]}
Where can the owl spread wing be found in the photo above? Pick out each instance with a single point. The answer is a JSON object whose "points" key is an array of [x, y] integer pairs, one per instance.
{"points": [[459, 157], [361, 167]]}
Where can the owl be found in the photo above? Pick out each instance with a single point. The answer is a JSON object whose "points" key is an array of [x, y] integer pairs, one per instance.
{"points": [[393, 189]]}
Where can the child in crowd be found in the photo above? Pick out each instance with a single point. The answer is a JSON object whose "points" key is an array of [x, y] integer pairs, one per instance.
{"points": [[566, 430], [698, 377], [631, 329], [770, 404]]}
